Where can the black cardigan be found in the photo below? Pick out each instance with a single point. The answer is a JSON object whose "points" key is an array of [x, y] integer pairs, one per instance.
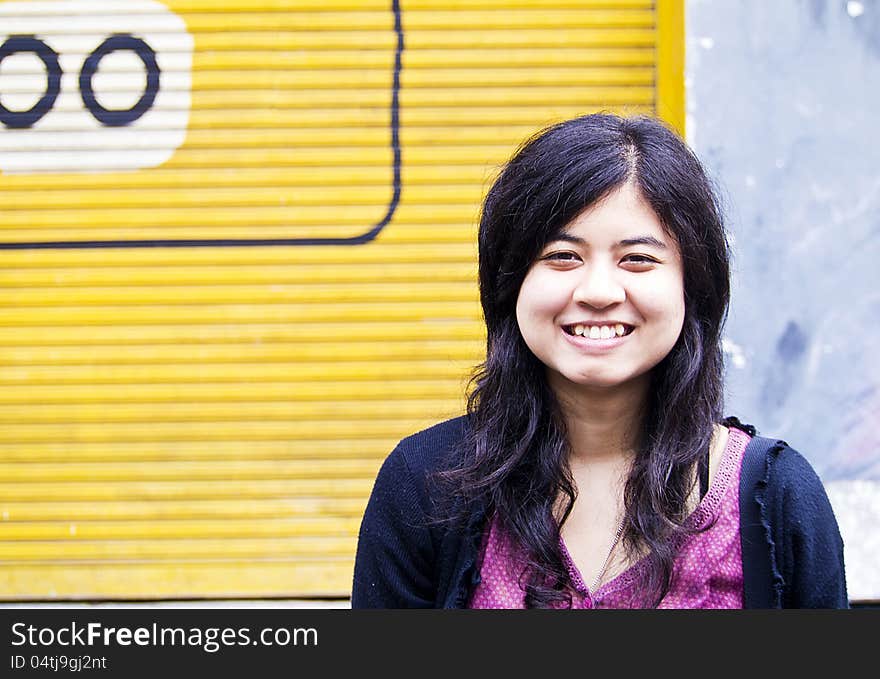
{"points": [[791, 545]]}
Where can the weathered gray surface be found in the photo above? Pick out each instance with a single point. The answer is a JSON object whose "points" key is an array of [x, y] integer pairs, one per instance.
{"points": [[783, 104]]}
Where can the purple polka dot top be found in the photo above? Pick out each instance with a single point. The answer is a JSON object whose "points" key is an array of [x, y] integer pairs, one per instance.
{"points": [[707, 571]]}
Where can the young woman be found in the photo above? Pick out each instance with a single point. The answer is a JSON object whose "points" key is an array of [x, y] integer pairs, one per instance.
{"points": [[593, 468]]}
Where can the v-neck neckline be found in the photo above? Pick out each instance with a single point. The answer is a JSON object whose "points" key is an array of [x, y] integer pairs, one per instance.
{"points": [[707, 507]]}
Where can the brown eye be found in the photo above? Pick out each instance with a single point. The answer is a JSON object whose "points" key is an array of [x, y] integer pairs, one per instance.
{"points": [[640, 259], [562, 256]]}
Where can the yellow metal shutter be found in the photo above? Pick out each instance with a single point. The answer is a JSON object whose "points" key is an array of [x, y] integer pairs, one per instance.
{"points": [[228, 293]]}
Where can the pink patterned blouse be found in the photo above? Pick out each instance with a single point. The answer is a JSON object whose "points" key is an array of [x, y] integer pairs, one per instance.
{"points": [[707, 572]]}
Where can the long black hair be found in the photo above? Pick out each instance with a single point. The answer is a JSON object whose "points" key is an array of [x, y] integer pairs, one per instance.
{"points": [[514, 461]]}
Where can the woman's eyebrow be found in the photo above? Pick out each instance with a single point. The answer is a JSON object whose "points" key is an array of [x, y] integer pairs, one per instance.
{"points": [[643, 240], [626, 242]]}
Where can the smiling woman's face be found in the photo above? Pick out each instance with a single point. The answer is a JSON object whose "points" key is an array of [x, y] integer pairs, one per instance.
{"points": [[604, 301]]}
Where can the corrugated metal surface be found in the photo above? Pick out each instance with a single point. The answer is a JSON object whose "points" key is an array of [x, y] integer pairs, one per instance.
{"points": [[207, 421]]}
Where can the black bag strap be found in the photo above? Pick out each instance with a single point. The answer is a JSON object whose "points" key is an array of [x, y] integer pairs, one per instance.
{"points": [[704, 475], [757, 559]]}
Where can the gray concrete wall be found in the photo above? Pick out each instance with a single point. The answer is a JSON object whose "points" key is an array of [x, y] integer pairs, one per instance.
{"points": [[782, 101]]}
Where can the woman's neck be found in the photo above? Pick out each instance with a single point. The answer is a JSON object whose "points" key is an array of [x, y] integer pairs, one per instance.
{"points": [[602, 424]]}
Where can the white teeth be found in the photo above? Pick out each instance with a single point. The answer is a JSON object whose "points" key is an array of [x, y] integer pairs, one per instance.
{"points": [[599, 331]]}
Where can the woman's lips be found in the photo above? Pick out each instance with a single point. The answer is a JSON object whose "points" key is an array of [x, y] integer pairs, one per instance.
{"points": [[586, 343]]}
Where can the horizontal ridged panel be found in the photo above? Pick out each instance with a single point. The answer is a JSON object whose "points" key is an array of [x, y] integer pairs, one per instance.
{"points": [[245, 372], [231, 353], [428, 58], [253, 334], [258, 157], [225, 6], [376, 20], [172, 550], [185, 490], [147, 315], [416, 234], [478, 95], [107, 413], [176, 450], [256, 430], [321, 42], [238, 275], [183, 471], [221, 199], [244, 81], [265, 392], [310, 121], [300, 220], [317, 294], [208, 422], [264, 527], [67, 512], [186, 257], [315, 577]]}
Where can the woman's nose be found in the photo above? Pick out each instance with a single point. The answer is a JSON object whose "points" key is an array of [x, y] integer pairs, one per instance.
{"points": [[598, 287]]}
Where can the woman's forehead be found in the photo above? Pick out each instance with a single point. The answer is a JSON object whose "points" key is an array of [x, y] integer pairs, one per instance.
{"points": [[623, 218]]}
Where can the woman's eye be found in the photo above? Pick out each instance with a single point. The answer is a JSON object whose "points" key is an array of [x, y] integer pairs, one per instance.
{"points": [[640, 259], [562, 256]]}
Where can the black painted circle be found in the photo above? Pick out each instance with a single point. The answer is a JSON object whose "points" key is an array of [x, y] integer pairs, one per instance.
{"points": [[115, 43], [16, 44]]}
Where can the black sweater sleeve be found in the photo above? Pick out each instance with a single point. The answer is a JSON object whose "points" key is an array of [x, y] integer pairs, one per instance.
{"points": [[394, 564], [809, 548]]}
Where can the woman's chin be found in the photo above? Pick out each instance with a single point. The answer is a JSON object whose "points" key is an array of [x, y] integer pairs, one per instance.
{"points": [[598, 381]]}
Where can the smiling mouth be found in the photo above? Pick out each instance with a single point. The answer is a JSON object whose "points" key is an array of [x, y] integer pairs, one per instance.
{"points": [[598, 331]]}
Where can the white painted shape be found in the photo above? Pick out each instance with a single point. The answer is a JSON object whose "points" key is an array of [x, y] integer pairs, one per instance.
{"points": [[78, 21], [64, 121], [86, 140], [69, 128], [45, 8], [83, 43], [101, 160]]}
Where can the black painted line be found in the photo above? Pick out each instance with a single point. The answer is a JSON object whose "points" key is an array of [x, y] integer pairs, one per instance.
{"points": [[263, 242]]}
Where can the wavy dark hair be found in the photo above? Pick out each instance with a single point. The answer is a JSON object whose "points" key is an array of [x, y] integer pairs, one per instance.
{"points": [[514, 461]]}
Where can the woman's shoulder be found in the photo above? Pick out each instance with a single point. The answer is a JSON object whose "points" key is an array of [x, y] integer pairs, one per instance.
{"points": [[779, 466], [790, 530], [426, 450], [404, 480], [794, 480]]}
